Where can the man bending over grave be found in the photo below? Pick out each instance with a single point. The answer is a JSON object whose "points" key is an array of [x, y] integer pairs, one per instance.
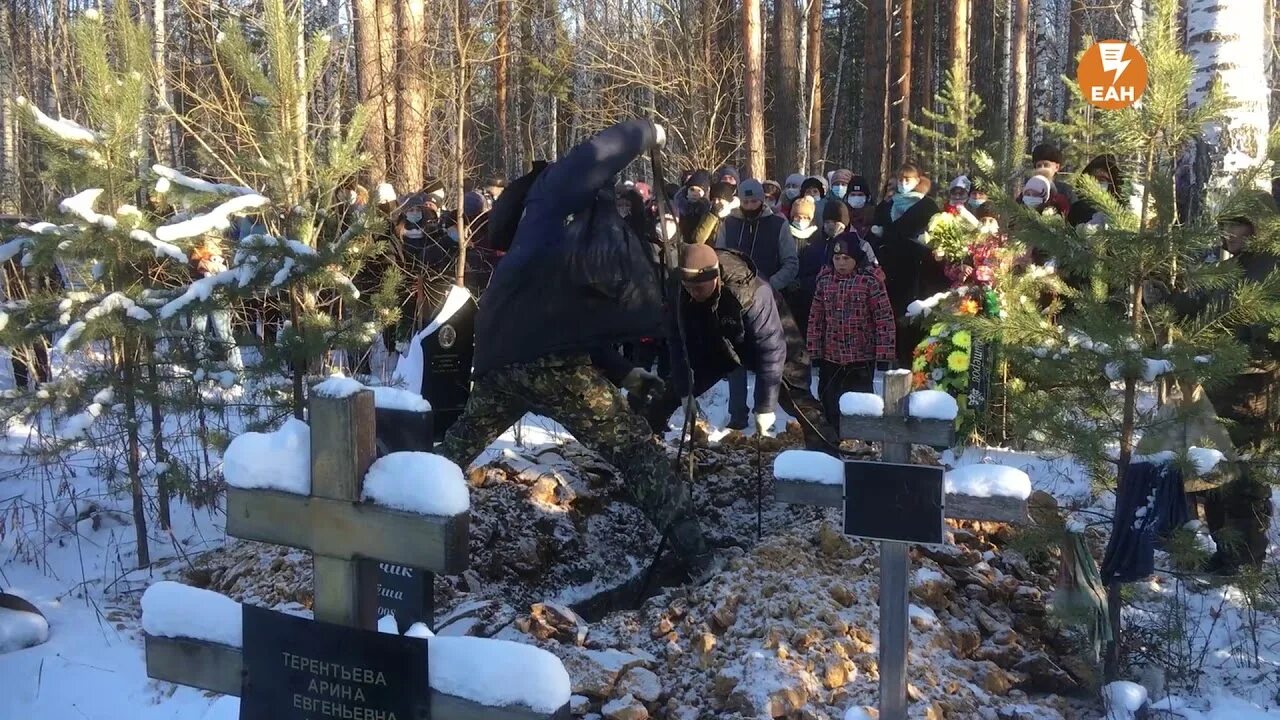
{"points": [[578, 278], [733, 318]]}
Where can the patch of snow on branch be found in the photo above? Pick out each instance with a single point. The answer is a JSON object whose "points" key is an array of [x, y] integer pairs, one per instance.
{"points": [[63, 128], [169, 175], [417, 482], [808, 466], [1152, 368], [171, 609], [932, 405], [118, 301], [279, 460], [219, 218], [1123, 699], [10, 250], [78, 425], [859, 403], [161, 248], [200, 290], [393, 398], [337, 386], [81, 205], [988, 480], [497, 673], [20, 629]]}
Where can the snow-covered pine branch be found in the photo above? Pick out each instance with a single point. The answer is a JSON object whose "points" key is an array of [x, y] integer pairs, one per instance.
{"points": [[219, 218], [160, 247], [79, 424], [81, 205], [170, 176], [114, 302], [200, 291], [62, 128]]}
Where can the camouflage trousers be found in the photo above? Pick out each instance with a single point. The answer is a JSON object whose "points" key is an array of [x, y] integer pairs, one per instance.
{"points": [[572, 392]]}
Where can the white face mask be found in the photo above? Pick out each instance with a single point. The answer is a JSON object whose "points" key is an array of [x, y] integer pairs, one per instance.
{"points": [[906, 186], [1032, 201], [839, 190], [413, 217], [791, 193], [857, 202], [801, 224]]}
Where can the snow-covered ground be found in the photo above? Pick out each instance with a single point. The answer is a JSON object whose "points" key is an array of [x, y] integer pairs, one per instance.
{"points": [[79, 572]]}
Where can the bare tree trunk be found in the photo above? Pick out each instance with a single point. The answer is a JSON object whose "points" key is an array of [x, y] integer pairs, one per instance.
{"points": [[388, 74], [9, 201], [1227, 42], [460, 125], [128, 371], [960, 37], [875, 96], [835, 96], [984, 65], [815, 86], [923, 89], [1018, 74], [371, 84], [411, 100], [903, 54], [167, 140], [500, 74], [786, 83], [754, 87], [157, 436], [1046, 76]]}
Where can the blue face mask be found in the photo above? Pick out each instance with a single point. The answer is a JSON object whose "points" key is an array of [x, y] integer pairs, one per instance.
{"points": [[839, 190], [973, 204]]}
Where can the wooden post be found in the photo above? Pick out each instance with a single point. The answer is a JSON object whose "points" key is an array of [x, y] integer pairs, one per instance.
{"points": [[342, 449], [894, 599]]}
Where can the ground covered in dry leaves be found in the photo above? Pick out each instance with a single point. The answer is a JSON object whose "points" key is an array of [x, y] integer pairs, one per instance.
{"points": [[788, 630]]}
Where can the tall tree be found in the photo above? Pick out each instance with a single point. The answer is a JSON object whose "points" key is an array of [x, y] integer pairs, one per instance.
{"points": [[386, 35], [875, 96], [753, 90], [902, 131], [1048, 65], [786, 85], [370, 83], [1018, 75], [1228, 44], [922, 89], [814, 66], [984, 63], [960, 22], [411, 97], [502, 48]]}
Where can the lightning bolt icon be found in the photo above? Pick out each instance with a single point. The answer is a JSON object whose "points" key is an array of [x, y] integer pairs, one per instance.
{"points": [[1113, 59]]}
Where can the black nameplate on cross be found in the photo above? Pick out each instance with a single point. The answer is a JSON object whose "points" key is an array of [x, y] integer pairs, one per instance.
{"points": [[406, 594], [889, 501], [299, 669]]}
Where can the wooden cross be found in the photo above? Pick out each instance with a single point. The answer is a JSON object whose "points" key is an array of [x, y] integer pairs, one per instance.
{"points": [[897, 432], [348, 538]]}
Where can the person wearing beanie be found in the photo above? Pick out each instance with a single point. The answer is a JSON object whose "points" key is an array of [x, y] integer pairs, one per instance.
{"points": [[850, 329], [840, 180], [958, 200], [1046, 159], [1038, 194], [493, 188], [701, 229], [772, 194], [1106, 171], [733, 320], [766, 239], [814, 187], [576, 283], [813, 255], [728, 174], [857, 198], [790, 191], [910, 268], [433, 191]]}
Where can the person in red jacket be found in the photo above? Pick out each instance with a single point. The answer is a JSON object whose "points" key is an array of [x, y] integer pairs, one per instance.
{"points": [[851, 328]]}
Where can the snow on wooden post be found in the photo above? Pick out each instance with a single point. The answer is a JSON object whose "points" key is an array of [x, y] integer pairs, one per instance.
{"points": [[322, 490]]}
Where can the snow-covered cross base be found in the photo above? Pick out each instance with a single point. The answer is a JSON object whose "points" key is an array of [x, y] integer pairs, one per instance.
{"points": [[325, 493]]}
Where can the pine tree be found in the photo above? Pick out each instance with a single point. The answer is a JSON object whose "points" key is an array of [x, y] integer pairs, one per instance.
{"points": [[1136, 298], [294, 178], [952, 133], [101, 234]]}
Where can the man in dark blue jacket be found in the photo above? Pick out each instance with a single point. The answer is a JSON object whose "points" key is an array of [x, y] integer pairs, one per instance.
{"points": [[733, 319], [578, 278]]}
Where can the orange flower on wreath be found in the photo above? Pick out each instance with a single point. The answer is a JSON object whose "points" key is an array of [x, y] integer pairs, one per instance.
{"points": [[929, 352], [968, 306], [919, 380]]}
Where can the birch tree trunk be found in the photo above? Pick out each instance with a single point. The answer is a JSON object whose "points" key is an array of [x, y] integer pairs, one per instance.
{"points": [[1046, 77], [166, 136], [1018, 74], [814, 65], [370, 84], [9, 201], [785, 89], [875, 96], [385, 30], [1227, 43], [902, 129], [500, 80], [753, 108], [411, 97], [984, 64]]}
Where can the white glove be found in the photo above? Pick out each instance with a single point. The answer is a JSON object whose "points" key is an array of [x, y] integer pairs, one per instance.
{"points": [[669, 228], [764, 424], [659, 135]]}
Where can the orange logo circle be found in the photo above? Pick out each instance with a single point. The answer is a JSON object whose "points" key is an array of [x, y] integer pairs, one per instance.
{"points": [[1112, 75]]}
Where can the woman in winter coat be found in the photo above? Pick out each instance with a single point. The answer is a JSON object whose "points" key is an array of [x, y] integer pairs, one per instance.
{"points": [[911, 270], [850, 328], [814, 255]]}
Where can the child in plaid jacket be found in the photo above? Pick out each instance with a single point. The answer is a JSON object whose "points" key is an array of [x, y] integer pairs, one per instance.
{"points": [[851, 328]]}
